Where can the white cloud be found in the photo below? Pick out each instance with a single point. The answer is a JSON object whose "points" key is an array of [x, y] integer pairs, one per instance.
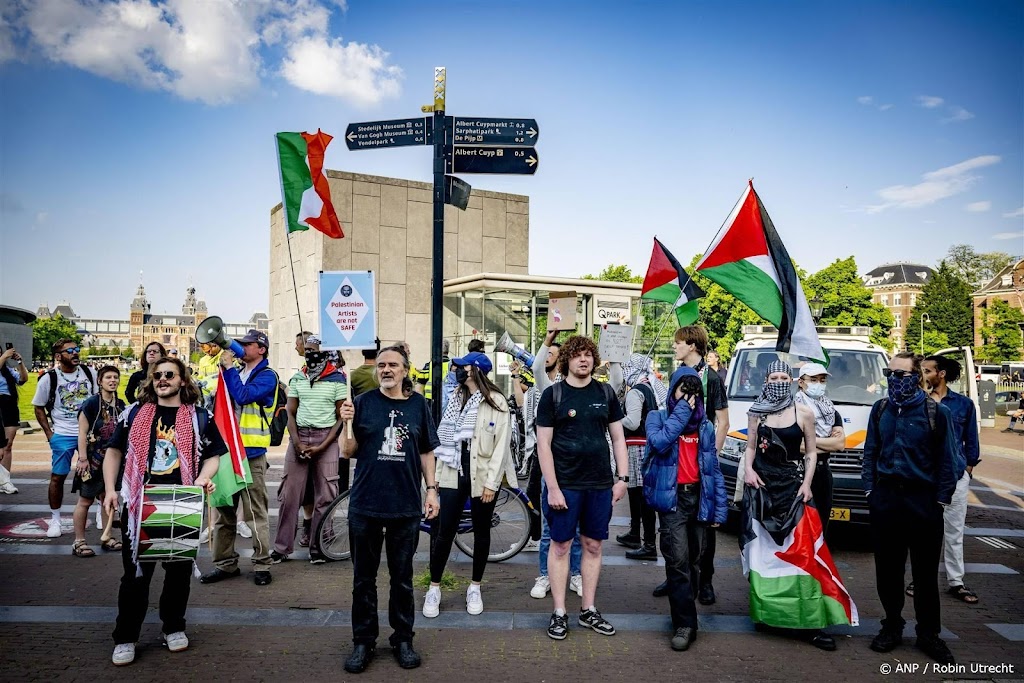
{"points": [[7, 51], [979, 207], [205, 50], [869, 101], [884, 107], [1016, 213], [865, 99], [936, 185], [41, 217], [929, 101], [957, 114], [355, 71], [1009, 235]]}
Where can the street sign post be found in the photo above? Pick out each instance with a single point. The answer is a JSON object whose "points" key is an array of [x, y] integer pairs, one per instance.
{"points": [[500, 132], [512, 160], [461, 145], [393, 133]]}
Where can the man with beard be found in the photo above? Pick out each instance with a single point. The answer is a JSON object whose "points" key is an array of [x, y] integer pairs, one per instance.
{"points": [[911, 467], [59, 395], [393, 442]]}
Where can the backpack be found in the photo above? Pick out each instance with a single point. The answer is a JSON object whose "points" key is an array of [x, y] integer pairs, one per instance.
{"points": [[52, 398], [278, 420], [556, 394]]}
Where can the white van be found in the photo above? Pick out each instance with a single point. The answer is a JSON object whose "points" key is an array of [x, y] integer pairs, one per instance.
{"points": [[855, 364]]}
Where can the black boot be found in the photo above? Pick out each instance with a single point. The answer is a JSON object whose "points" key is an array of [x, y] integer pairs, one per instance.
{"points": [[644, 552], [630, 539], [359, 659], [406, 657]]}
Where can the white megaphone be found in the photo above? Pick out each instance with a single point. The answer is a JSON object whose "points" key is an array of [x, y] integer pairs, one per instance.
{"points": [[211, 331], [506, 345]]}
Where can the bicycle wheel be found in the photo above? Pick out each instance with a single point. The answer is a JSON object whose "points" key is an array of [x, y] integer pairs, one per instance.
{"points": [[333, 532], [510, 528]]}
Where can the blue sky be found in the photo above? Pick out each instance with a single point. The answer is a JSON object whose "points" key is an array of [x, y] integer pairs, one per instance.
{"points": [[138, 135]]}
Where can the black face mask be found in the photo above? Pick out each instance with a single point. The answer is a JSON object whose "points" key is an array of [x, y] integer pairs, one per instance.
{"points": [[315, 358], [461, 374]]}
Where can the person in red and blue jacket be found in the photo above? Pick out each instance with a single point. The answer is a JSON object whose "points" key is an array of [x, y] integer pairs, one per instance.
{"points": [[684, 483]]}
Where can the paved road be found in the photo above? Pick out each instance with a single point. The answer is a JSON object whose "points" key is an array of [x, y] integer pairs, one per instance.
{"points": [[56, 610]]}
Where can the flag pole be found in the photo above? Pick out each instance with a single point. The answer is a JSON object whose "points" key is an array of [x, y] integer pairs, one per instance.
{"points": [[295, 287], [689, 275]]}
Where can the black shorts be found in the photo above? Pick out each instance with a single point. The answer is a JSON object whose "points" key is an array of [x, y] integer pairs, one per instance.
{"points": [[10, 414], [92, 488]]}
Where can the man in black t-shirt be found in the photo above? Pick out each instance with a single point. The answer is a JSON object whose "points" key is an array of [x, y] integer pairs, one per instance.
{"points": [[393, 440], [691, 345], [573, 419], [165, 440]]}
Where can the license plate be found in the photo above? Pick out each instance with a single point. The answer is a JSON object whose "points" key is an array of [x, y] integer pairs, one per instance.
{"points": [[839, 514]]}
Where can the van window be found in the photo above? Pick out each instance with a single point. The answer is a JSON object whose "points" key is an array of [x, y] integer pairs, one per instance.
{"points": [[856, 375]]}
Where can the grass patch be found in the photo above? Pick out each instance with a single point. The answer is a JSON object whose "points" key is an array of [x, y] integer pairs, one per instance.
{"points": [[448, 580], [27, 390]]}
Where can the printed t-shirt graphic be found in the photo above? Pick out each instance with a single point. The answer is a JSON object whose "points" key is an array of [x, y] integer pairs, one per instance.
{"points": [[165, 456]]}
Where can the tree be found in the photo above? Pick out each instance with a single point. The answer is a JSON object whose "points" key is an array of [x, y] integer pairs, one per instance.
{"points": [[614, 273], [847, 301], [946, 298], [103, 351], [48, 331], [128, 353], [1000, 332], [974, 268]]}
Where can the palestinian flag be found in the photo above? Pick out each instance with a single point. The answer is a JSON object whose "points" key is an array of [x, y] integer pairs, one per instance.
{"points": [[750, 262], [233, 474], [668, 281], [793, 581], [306, 194]]}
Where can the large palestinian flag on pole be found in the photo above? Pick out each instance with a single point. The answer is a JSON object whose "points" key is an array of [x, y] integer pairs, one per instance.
{"points": [[304, 188], [668, 281], [794, 583], [750, 262], [233, 473]]}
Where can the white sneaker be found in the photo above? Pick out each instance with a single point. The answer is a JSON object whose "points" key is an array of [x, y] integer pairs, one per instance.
{"points": [[8, 487], [99, 517], [243, 529], [531, 546], [176, 642], [123, 654], [53, 529], [432, 603], [474, 601], [204, 535], [576, 584], [540, 587]]}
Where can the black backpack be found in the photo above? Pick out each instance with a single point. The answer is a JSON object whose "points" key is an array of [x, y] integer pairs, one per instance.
{"points": [[931, 408], [52, 398], [278, 420]]}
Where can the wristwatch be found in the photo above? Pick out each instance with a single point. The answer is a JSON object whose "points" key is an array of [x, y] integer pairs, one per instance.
{"points": [[432, 488], [624, 480]]}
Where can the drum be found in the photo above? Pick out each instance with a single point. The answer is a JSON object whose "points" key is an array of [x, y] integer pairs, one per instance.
{"points": [[172, 517]]}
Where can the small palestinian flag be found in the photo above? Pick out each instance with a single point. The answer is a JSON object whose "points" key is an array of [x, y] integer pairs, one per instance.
{"points": [[668, 281], [304, 189], [749, 260]]}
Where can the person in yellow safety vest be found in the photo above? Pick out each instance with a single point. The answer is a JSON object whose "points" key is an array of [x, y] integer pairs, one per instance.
{"points": [[253, 392], [206, 374], [422, 376]]}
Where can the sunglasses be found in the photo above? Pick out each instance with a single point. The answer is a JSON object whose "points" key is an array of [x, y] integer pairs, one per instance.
{"points": [[72, 349], [166, 374], [889, 372]]}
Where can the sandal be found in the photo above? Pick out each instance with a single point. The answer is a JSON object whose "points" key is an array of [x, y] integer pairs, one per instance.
{"points": [[964, 593], [81, 549], [111, 544], [910, 589]]}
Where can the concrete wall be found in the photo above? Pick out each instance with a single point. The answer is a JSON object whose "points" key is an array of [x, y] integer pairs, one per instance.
{"points": [[388, 225]]}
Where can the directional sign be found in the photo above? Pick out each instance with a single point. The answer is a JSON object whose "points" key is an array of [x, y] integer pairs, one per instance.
{"points": [[394, 133], [495, 160], [499, 132]]}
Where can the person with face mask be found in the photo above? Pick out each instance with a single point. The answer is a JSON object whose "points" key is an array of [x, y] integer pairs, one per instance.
{"points": [[473, 457], [315, 395], [828, 431], [911, 467]]}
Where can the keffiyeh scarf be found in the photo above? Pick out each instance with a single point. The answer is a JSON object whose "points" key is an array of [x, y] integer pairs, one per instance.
{"points": [[775, 396], [638, 369], [824, 413], [136, 462], [457, 424]]}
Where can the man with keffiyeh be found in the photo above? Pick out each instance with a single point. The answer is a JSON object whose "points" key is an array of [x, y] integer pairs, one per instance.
{"points": [[163, 439], [911, 467]]}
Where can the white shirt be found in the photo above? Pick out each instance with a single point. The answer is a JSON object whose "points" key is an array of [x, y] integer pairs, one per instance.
{"points": [[72, 390]]}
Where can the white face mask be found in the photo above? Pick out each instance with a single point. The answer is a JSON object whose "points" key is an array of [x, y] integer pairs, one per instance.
{"points": [[815, 389]]}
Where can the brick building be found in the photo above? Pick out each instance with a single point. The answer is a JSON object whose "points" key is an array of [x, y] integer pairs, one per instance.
{"points": [[1008, 285], [897, 286]]}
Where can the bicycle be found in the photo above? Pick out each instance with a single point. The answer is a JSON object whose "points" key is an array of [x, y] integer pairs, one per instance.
{"points": [[510, 527]]}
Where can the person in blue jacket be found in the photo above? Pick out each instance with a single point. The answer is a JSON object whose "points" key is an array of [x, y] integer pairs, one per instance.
{"points": [[683, 482]]}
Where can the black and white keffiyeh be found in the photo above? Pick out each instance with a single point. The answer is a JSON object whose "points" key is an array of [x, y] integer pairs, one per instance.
{"points": [[457, 425]]}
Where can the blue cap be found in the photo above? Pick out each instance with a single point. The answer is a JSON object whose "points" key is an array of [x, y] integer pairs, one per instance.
{"points": [[476, 358]]}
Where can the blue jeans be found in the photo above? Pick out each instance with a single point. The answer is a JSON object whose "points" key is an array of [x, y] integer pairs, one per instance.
{"points": [[575, 552]]}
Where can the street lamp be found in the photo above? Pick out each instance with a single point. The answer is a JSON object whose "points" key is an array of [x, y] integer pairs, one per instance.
{"points": [[817, 308], [924, 319]]}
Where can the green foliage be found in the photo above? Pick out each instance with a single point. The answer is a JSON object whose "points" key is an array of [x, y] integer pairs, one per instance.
{"points": [[614, 273], [48, 331], [974, 268], [946, 298], [847, 301], [448, 580], [1000, 332], [128, 352], [103, 351], [194, 358]]}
